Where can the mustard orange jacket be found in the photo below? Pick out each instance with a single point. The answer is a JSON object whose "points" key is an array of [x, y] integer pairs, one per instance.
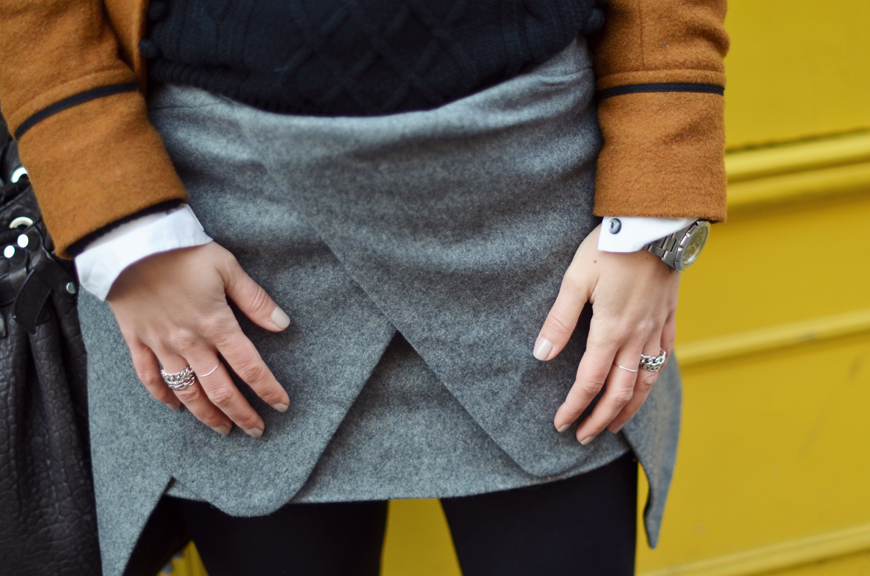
{"points": [[73, 86]]}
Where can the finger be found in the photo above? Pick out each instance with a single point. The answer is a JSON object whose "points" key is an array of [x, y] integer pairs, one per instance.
{"points": [[241, 355], [619, 392], [194, 397], [669, 334], [563, 316], [642, 388], [591, 376], [252, 300], [223, 393], [148, 371]]}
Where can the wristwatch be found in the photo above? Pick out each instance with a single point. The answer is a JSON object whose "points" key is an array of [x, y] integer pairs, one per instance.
{"points": [[680, 249]]}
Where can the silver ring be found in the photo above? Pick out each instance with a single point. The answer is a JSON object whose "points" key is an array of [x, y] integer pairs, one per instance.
{"points": [[653, 363], [626, 369], [210, 372], [179, 380]]}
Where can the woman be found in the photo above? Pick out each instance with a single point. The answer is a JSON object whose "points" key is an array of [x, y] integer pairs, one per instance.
{"points": [[394, 191]]}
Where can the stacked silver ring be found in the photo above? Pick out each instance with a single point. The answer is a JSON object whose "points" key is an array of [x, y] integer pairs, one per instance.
{"points": [[653, 363], [179, 380]]}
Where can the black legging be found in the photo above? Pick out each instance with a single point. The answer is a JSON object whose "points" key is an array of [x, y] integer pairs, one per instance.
{"points": [[582, 526]]}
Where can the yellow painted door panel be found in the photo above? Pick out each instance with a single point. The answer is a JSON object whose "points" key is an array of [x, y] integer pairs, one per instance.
{"points": [[797, 68], [794, 262], [851, 565], [773, 450]]}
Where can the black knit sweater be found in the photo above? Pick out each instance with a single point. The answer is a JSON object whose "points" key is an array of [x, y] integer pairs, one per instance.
{"points": [[356, 57]]}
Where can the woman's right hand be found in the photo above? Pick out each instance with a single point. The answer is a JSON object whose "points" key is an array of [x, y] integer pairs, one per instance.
{"points": [[172, 308]]}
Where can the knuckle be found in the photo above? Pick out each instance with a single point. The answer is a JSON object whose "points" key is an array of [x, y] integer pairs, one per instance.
{"points": [[213, 328], [271, 396], [210, 418], [227, 336], [555, 325], [572, 281], [182, 339], [221, 396], [574, 405], [153, 339], [230, 262], [259, 299], [188, 394], [250, 372], [621, 333], [646, 326], [607, 337], [246, 422], [645, 382], [623, 395], [153, 380], [149, 377], [590, 387], [573, 410]]}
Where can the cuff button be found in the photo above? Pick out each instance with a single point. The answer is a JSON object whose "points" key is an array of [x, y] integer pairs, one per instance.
{"points": [[615, 226]]}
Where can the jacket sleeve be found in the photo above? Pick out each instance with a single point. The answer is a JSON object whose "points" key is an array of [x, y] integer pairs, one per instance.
{"points": [[660, 81], [80, 120]]}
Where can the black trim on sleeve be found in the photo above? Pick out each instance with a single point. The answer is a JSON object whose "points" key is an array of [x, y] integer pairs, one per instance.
{"points": [[79, 245], [75, 100], [662, 87]]}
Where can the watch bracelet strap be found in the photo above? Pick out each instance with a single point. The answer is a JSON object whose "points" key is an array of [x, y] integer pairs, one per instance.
{"points": [[665, 247]]}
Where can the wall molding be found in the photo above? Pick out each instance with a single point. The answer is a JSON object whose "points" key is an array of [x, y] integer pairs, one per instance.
{"points": [[779, 556], [773, 338], [786, 174], [852, 148]]}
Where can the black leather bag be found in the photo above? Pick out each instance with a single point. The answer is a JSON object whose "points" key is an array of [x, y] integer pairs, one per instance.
{"points": [[47, 511]]}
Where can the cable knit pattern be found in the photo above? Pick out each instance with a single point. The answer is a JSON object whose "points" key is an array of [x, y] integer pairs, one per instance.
{"points": [[356, 57], [648, 166]]}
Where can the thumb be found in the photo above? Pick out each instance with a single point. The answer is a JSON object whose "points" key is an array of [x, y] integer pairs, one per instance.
{"points": [[563, 316], [252, 300]]}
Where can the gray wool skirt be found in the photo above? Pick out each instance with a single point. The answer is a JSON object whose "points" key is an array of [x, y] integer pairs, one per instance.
{"points": [[417, 255]]}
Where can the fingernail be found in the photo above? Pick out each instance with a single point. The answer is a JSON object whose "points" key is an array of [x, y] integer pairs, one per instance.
{"points": [[175, 406], [280, 319], [587, 440], [255, 432], [543, 347], [562, 428], [222, 430], [280, 407], [617, 429]]}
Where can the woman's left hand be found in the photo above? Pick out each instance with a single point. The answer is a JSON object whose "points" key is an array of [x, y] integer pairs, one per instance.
{"points": [[634, 302]]}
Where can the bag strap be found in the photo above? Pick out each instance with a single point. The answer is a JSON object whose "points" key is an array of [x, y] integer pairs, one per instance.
{"points": [[46, 275]]}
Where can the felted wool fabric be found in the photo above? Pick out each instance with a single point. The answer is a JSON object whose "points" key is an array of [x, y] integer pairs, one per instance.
{"points": [[452, 227], [664, 152], [97, 162]]}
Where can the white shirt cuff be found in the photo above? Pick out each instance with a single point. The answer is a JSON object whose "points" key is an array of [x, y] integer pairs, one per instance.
{"points": [[106, 257], [631, 233]]}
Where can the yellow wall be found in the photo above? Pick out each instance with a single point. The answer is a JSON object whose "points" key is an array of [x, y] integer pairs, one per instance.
{"points": [[774, 325], [774, 322], [797, 69]]}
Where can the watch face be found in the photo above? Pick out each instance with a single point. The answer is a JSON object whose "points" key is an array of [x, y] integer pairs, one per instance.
{"points": [[694, 245]]}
